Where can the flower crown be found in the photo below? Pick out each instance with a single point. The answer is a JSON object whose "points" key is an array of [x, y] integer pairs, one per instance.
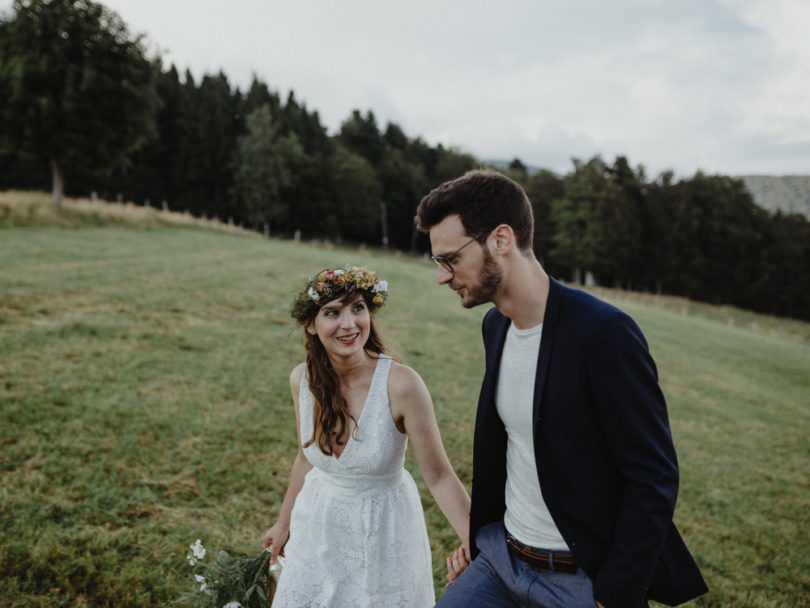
{"points": [[337, 282]]}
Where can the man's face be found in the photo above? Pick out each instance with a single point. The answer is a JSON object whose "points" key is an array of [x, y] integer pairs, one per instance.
{"points": [[475, 274]]}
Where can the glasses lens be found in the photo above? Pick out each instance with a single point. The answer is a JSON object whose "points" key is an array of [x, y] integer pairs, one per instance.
{"points": [[440, 261]]}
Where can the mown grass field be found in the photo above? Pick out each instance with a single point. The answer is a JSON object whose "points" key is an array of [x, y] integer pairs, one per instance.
{"points": [[144, 403]]}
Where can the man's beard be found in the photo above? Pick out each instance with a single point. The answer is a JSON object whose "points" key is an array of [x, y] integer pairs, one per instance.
{"points": [[489, 280]]}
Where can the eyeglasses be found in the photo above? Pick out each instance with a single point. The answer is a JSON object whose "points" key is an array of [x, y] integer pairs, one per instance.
{"points": [[444, 260]]}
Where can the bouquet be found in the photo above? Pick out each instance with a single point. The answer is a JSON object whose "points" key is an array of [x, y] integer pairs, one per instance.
{"points": [[232, 581]]}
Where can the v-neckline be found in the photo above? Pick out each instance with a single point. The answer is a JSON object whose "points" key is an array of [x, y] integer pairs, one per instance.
{"points": [[351, 438]]}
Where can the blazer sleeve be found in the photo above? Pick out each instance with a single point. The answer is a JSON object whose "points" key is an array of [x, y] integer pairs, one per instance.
{"points": [[633, 414]]}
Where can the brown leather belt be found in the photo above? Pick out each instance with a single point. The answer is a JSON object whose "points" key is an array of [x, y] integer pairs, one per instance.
{"points": [[556, 561]]}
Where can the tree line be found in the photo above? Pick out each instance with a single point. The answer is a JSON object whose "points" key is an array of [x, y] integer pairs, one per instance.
{"points": [[87, 111], [701, 237]]}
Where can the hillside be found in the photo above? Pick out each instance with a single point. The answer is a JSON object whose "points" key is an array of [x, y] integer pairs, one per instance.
{"points": [[144, 403], [787, 193]]}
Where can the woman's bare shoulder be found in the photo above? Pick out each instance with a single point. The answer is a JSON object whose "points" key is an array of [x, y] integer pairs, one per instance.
{"points": [[403, 379], [296, 374]]}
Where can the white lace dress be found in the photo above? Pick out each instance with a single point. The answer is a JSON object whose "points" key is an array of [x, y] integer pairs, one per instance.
{"points": [[357, 531]]}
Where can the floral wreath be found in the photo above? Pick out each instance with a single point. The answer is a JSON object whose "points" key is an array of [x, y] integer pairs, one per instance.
{"points": [[337, 282]]}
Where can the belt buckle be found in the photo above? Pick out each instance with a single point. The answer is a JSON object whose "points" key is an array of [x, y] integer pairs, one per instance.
{"points": [[527, 554], [568, 567]]}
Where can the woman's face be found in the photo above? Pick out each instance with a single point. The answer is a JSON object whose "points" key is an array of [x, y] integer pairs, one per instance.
{"points": [[343, 326]]}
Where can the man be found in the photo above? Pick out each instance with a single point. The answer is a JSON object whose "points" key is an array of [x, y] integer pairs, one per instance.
{"points": [[574, 471]]}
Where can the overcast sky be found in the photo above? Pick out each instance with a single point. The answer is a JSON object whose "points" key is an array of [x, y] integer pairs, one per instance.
{"points": [[717, 85]]}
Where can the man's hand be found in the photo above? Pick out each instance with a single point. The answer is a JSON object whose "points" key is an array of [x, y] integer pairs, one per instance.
{"points": [[456, 564]]}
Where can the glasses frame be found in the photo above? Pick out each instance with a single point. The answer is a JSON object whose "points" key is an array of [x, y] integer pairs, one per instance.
{"points": [[444, 260]]}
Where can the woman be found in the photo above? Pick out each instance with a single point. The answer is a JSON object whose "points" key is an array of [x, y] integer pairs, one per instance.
{"points": [[357, 534]]}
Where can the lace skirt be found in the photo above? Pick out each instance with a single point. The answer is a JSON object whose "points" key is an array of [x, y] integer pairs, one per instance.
{"points": [[356, 542]]}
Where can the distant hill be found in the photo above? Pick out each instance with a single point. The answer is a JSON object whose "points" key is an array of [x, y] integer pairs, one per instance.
{"points": [[503, 165], [787, 193]]}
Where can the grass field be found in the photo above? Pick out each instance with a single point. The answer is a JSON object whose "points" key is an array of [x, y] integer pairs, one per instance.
{"points": [[144, 403]]}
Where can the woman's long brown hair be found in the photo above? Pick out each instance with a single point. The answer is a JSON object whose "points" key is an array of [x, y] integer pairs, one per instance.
{"points": [[330, 414]]}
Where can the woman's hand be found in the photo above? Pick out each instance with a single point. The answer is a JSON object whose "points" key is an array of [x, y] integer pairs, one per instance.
{"points": [[456, 564], [275, 538]]}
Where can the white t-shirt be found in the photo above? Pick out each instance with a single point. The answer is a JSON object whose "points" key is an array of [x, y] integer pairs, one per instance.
{"points": [[527, 518]]}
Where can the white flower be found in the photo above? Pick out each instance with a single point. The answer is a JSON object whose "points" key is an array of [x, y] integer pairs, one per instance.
{"points": [[199, 578], [381, 286], [339, 271], [275, 569], [313, 294], [233, 604], [197, 549], [197, 553]]}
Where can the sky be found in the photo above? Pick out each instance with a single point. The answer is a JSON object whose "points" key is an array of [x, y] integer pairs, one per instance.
{"points": [[721, 86]]}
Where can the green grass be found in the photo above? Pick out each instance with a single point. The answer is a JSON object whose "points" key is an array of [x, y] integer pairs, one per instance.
{"points": [[144, 403]]}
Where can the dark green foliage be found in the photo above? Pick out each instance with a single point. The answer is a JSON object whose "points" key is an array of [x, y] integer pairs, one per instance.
{"points": [[77, 88], [543, 188], [785, 267], [360, 135], [720, 231], [403, 182], [263, 168], [702, 237], [212, 131], [355, 196]]}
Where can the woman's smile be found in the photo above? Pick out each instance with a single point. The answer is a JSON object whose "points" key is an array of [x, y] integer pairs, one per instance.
{"points": [[348, 339]]}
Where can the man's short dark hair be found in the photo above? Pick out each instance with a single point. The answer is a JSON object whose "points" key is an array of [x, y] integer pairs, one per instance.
{"points": [[483, 199]]}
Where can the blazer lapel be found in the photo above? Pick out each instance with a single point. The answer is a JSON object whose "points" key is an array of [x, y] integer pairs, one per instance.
{"points": [[495, 338], [546, 344]]}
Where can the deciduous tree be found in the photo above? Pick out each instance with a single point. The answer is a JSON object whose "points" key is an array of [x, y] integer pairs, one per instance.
{"points": [[263, 167]]}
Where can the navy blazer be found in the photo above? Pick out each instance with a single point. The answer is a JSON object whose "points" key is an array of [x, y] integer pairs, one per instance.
{"points": [[605, 458]]}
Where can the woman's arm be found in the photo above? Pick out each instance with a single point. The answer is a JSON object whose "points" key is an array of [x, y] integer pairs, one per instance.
{"points": [[412, 409], [276, 536]]}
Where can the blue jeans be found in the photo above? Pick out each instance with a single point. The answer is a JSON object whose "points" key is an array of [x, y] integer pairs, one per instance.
{"points": [[497, 579]]}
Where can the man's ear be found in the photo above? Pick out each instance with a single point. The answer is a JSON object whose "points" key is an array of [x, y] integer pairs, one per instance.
{"points": [[504, 239]]}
